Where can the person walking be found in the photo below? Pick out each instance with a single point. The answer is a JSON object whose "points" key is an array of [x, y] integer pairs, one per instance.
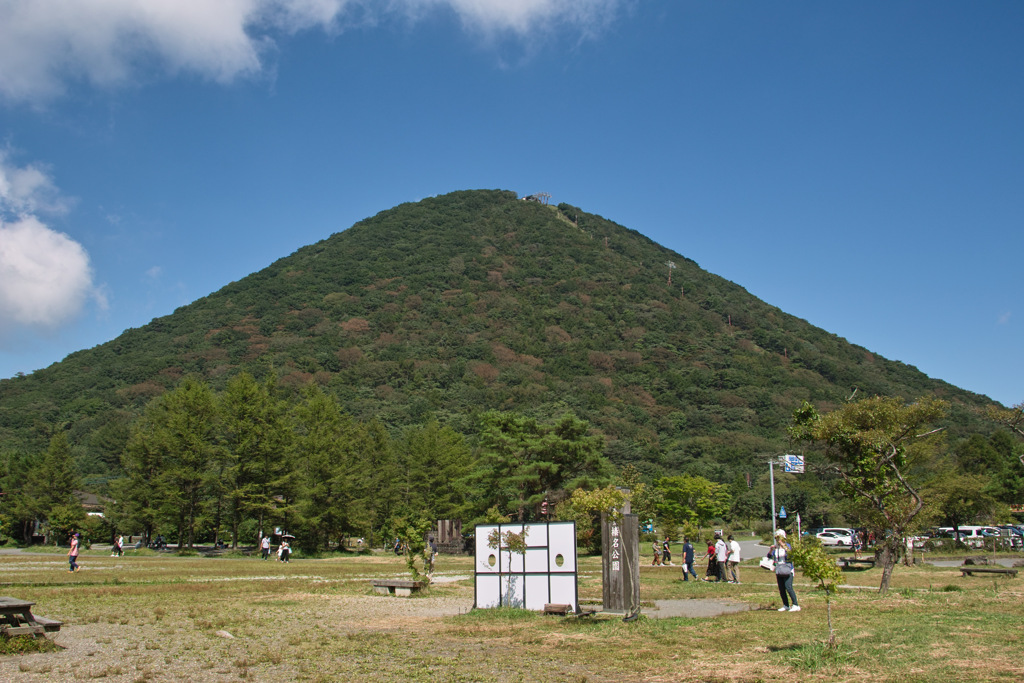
{"points": [[712, 570], [73, 554], [779, 552], [657, 553], [688, 560], [722, 555], [734, 559], [265, 547], [666, 552]]}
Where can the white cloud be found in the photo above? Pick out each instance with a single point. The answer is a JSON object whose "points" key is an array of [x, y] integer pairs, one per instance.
{"points": [[525, 16], [27, 190], [44, 44], [1004, 318], [45, 277]]}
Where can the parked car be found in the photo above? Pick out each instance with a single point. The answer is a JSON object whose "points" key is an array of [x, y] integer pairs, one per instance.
{"points": [[814, 531], [920, 540], [836, 538]]}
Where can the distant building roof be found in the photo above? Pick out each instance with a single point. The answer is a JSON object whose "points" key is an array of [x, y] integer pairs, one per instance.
{"points": [[92, 502]]}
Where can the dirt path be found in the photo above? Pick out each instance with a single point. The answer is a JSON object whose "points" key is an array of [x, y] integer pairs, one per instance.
{"points": [[693, 609]]}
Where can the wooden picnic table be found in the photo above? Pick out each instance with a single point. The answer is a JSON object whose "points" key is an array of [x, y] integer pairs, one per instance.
{"points": [[16, 619], [972, 569], [400, 587], [847, 561]]}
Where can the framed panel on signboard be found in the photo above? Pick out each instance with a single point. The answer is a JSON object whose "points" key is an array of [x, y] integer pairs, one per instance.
{"points": [[545, 573]]}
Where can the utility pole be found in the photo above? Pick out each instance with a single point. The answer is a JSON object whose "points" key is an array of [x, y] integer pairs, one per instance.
{"points": [[671, 265]]}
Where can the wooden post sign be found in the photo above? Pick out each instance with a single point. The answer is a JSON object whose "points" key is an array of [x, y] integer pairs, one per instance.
{"points": [[620, 554]]}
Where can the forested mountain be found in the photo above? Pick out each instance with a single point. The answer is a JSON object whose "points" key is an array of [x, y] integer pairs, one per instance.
{"points": [[478, 300]]}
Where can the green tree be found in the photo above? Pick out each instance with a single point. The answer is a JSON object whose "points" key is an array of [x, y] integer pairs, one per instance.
{"points": [[139, 496], [584, 508], [1011, 418], [817, 565], [433, 462], [52, 484], [957, 499], [694, 500], [870, 445], [18, 505], [522, 460], [378, 475], [167, 460], [191, 437], [66, 518], [643, 498], [252, 471], [326, 453], [412, 531], [748, 506]]}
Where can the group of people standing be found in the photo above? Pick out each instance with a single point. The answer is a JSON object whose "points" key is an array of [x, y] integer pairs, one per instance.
{"points": [[723, 560], [284, 550], [723, 557]]}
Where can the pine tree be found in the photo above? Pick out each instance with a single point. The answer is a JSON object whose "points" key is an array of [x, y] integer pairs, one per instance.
{"points": [[325, 459], [257, 434]]}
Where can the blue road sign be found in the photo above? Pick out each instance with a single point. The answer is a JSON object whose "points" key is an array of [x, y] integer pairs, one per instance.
{"points": [[782, 512], [793, 463]]}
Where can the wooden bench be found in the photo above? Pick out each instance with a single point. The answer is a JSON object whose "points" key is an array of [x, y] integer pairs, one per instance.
{"points": [[558, 609], [847, 561], [400, 587], [970, 570], [16, 619]]}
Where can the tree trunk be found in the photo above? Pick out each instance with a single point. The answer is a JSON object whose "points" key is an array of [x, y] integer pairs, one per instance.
{"points": [[831, 631], [887, 557]]}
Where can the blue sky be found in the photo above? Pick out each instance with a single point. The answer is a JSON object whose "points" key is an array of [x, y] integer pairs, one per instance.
{"points": [[857, 164]]}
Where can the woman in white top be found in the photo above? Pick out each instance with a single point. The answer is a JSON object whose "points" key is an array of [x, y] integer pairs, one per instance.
{"points": [[783, 571]]}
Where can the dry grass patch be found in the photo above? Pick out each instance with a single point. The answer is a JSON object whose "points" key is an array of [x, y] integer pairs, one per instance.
{"points": [[164, 618]]}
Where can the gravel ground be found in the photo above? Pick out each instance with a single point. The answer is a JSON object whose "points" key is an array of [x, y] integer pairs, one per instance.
{"points": [[278, 637], [178, 649]]}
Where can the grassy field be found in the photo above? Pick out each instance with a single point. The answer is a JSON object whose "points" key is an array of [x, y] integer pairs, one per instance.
{"points": [[154, 617]]}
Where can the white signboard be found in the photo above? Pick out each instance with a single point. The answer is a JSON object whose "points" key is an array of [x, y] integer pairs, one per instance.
{"points": [[793, 463], [545, 573]]}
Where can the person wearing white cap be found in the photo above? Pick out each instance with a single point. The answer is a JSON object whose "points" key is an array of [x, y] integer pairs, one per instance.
{"points": [[779, 552]]}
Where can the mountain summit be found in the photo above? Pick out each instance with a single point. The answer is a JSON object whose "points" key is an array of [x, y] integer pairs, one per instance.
{"points": [[477, 300]]}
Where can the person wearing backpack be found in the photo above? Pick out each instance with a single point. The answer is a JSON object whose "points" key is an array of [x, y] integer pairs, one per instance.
{"points": [[779, 553]]}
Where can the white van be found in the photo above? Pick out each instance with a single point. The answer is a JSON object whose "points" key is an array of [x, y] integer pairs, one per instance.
{"points": [[971, 535]]}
